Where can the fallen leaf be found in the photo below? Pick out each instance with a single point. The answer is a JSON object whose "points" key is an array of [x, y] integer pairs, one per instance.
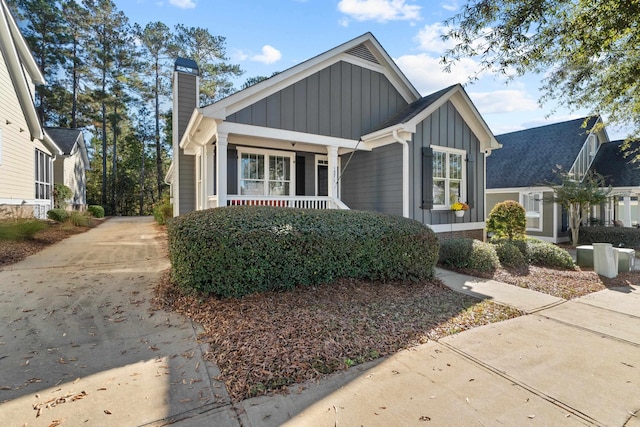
{"points": [[424, 418], [108, 412]]}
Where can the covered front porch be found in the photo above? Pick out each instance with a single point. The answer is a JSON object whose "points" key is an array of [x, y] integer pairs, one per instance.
{"points": [[622, 208], [238, 164]]}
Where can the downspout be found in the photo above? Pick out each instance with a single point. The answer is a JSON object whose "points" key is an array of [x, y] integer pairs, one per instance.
{"points": [[405, 173]]}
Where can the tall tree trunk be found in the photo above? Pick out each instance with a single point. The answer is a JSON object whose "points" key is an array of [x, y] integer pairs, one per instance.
{"points": [[74, 85], [158, 147], [114, 160], [104, 138]]}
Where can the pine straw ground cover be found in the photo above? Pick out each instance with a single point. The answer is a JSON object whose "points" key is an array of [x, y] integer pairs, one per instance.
{"points": [[266, 342]]}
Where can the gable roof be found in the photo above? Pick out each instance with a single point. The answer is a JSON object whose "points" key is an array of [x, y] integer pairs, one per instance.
{"points": [[364, 50], [67, 139], [529, 157], [617, 170], [407, 119], [21, 66]]}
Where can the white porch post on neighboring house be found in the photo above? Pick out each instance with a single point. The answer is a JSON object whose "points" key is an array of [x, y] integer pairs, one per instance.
{"points": [[210, 170], [405, 173], [332, 153], [221, 168], [627, 211]]}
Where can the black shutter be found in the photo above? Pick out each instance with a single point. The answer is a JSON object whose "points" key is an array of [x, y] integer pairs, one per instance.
{"points": [[471, 182], [427, 178]]}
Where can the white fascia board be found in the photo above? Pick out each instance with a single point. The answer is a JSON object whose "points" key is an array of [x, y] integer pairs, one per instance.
{"points": [[168, 178], [199, 131], [23, 49], [518, 190], [442, 228], [288, 135], [244, 98]]}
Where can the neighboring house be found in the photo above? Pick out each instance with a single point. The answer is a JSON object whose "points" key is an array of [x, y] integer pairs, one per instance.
{"points": [[529, 161], [70, 168], [615, 163], [345, 129], [26, 152]]}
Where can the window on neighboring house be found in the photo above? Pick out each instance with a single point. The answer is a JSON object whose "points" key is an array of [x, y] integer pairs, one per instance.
{"points": [[532, 203], [266, 173], [448, 177], [43, 175]]}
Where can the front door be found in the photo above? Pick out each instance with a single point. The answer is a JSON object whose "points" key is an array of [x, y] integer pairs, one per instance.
{"points": [[322, 176]]}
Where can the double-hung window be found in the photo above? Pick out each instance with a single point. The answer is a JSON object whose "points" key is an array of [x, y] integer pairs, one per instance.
{"points": [[448, 177], [532, 203], [265, 173]]}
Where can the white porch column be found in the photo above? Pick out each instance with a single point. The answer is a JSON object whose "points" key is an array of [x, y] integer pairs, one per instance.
{"points": [[209, 151], [332, 153], [221, 169], [627, 211]]}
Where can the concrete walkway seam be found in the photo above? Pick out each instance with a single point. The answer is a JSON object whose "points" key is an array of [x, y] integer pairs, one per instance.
{"points": [[548, 398], [601, 334]]}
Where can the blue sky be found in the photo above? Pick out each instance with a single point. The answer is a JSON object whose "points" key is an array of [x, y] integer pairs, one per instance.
{"points": [[264, 36]]}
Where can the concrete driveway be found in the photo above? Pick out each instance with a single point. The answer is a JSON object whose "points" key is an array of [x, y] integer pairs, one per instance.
{"points": [[80, 345]]}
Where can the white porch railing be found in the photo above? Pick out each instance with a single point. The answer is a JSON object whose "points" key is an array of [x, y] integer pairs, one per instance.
{"points": [[302, 202]]}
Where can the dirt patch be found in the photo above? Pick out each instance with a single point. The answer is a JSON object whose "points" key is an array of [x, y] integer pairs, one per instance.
{"points": [[12, 252], [266, 342]]}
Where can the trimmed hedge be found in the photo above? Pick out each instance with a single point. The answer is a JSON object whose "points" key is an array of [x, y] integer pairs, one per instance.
{"points": [[59, 215], [547, 254], [238, 250], [468, 253], [617, 236], [96, 210], [510, 255]]}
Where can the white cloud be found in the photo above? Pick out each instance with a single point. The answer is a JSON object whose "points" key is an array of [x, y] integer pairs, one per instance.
{"points": [[426, 72], [430, 38], [452, 6], [183, 4], [343, 22], [379, 10], [503, 101], [269, 55]]}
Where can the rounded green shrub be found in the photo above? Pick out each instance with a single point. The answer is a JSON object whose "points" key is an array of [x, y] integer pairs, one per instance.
{"points": [[238, 250], [163, 211], [60, 195], [547, 254], [464, 253], [510, 255], [96, 210], [59, 215], [507, 219]]}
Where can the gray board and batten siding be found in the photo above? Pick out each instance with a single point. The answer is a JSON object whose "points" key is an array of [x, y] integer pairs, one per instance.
{"points": [[187, 96], [445, 127], [343, 101]]}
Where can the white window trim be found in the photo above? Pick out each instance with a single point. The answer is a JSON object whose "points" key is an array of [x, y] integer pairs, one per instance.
{"points": [[463, 192], [538, 196], [266, 153], [48, 167]]}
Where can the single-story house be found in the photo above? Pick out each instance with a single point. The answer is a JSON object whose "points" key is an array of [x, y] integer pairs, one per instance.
{"points": [[70, 167], [615, 163], [342, 130], [530, 160], [26, 151]]}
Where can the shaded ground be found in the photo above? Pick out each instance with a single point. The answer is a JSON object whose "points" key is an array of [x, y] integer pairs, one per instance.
{"points": [[266, 342]]}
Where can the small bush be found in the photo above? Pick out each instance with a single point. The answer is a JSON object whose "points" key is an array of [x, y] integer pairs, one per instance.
{"points": [[510, 255], [238, 250], [60, 195], [96, 210], [59, 215], [547, 254], [507, 219], [617, 236], [20, 230], [163, 211], [468, 254], [79, 219]]}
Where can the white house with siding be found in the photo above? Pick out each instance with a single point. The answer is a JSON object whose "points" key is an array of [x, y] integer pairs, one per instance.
{"points": [[70, 167], [26, 152], [344, 130]]}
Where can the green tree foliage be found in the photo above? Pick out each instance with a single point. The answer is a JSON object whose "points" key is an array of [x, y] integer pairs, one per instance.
{"points": [[577, 196], [507, 219], [61, 193], [587, 50]]}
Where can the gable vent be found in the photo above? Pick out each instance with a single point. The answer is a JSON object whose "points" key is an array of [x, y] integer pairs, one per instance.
{"points": [[362, 52]]}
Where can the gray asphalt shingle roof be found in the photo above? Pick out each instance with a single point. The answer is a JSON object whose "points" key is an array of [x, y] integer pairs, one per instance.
{"points": [[529, 157], [64, 138], [617, 169]]}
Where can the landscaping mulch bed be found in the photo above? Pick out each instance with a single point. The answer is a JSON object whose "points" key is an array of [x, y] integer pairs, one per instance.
{"points": [[266, 342], [14, 251], [567, 284]]}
